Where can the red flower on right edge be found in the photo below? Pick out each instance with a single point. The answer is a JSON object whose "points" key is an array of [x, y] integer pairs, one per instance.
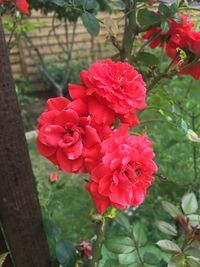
{"points": [[125, 172], [21, 5], [178, 36]]}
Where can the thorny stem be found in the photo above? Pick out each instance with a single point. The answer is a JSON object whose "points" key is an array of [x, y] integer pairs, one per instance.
{"points": [[100, 236]]}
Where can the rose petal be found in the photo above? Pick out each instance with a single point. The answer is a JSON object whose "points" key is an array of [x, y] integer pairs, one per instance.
{"points": [[101, 113], [67, 116], [57, 103], [79, 106], [76, 91]]}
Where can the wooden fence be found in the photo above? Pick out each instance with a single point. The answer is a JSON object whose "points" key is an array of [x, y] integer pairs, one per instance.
{"points": [[86, 47]]}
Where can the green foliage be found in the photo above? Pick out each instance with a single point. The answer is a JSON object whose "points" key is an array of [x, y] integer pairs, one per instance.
{"points": [[3, 258], [66, 254], [60, 220], [189, 203], [72, 10], [130, 249], [91, 23], [185, 247], [146, 17]]}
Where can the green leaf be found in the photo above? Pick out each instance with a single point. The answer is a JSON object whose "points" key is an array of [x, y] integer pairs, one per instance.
{"points": [[123, 220], [193, 261], [146, 17], [91, 23], [166, 228], [106, 255], [171, 209], [148, 58], [194, 220], [127, 259], [66, 254], [60, 3], [139, 234], [89, 4], [151, 258], [178, 19], [177, 261], [111, 263], [173, 9], [165, 25], [184, 125], [120, 245], [189, 203], [3, 258], [168, 246], [164, 10], [51, 229]]}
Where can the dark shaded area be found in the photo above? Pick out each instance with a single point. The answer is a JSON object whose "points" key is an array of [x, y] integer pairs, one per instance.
{"points": [[20, 213]]}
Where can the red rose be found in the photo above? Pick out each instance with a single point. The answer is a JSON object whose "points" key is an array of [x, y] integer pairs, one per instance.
{"points": [[125, 172], [192, 51], [174, 38], [54, 177], [194, 70], [101, 114], [21, 5], [66, 136], [193, 41], [112, 90]]}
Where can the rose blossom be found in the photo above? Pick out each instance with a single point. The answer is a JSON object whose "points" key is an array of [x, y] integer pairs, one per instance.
{"points": [[193, 52], [54, 177], [112, 89], [172, 39], [21, 5], [193, 42], [66, 137], [125, 172]]}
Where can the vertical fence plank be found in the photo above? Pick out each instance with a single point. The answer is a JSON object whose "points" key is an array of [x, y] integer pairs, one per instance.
{"points": [[20, 213]]}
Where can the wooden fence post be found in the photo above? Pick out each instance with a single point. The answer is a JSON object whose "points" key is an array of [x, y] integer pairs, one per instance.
{"points": [[20, 213]]}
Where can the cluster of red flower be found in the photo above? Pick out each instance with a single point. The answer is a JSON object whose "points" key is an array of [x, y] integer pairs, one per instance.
{"points": [[21, 5], [79, 136], [179, 36]]}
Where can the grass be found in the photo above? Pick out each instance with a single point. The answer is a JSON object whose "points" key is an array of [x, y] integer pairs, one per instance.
{"points": [[66, 202]]}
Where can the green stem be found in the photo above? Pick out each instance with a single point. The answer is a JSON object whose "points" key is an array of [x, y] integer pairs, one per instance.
{"points": [[165, 74], [138, 251], [130, 30], [194, 150], [100, 236]]}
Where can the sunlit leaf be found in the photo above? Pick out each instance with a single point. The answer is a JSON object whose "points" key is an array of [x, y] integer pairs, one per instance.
{"points": [[192, 136], [171, 209], [189, 203], [168, 246], [166, 228]]}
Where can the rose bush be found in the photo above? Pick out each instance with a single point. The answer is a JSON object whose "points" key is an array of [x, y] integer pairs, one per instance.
{"points": [[78, 135], [179, 36]]}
